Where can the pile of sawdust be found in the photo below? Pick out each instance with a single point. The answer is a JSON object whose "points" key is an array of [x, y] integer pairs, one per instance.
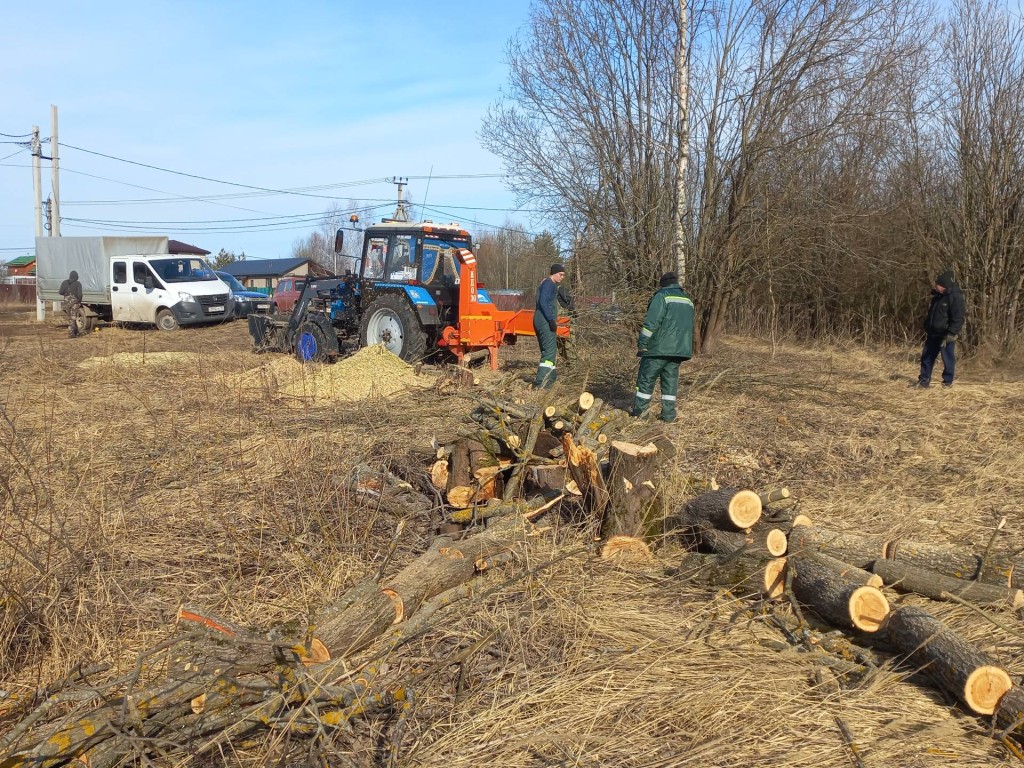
{"points": [[370, 372], [137, 359]]}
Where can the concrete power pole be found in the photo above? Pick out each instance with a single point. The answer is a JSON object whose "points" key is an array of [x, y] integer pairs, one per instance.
{"points": [[55, 230], [683, 133], [402, 209], [37, 182]]}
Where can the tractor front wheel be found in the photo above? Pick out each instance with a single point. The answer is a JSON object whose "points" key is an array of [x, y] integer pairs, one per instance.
{"points": [[391, 321], [310, 344]]}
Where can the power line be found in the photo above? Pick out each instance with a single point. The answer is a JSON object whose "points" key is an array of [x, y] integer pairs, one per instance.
{"points": [[219, 181], [17, 135], [23, 149]]}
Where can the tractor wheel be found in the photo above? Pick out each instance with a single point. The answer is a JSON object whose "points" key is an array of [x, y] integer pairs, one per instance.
{"points": [[391, 321], [166, 321], [310, 344]]}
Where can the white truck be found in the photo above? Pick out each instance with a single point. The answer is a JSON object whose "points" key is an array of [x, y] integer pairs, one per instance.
{"points": [[132, 280]]}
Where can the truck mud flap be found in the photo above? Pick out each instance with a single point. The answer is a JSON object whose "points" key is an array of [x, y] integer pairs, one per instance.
{"points": [[266, 335]]}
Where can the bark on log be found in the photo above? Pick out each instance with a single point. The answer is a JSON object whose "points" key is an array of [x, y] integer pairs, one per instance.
{"points": [[764, 542], [726, 508], [1009, 716], [747, 575], [546, 479], [909, 578], [636, 507], [957, 562], [842, 600], [957, 666], [860, 550], [770, 497]]}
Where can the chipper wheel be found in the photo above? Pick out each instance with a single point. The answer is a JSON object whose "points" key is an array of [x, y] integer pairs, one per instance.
{"points": [[310, 344]]}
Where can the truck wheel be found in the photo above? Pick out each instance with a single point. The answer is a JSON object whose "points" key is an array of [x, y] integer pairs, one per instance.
{"points": [[85, 322], [310, 344], [166, 321], [390, 321]]}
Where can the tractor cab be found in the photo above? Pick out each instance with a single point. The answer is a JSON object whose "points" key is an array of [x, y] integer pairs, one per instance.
{"points": [[419, 260]]}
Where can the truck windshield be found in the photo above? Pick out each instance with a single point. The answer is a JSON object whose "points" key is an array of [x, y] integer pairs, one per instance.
{"points": [[183, 270], [232, 282]]}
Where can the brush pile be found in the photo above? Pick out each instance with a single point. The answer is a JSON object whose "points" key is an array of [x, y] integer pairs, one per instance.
{"points": [[513, 475]]}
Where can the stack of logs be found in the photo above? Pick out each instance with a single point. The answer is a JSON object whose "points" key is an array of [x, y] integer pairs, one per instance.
{"points": [[839, 576]]}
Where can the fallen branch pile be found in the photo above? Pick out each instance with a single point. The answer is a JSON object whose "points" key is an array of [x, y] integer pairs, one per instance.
{"points": [[212, 684]]}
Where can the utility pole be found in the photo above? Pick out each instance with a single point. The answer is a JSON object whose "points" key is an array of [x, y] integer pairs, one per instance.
{"points": [[402, 209], [683, 134], [55, 223], [37, 182]]}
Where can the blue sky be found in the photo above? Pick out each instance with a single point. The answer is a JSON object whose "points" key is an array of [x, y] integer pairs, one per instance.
{"points": [[275, 95]]}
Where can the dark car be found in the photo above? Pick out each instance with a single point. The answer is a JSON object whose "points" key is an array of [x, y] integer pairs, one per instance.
{"points": [[246, 301]]}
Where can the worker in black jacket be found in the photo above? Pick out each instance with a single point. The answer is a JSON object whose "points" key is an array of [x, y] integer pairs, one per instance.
{"points": [[943, 323], [545, 325], [71, 297], [666, 340]]}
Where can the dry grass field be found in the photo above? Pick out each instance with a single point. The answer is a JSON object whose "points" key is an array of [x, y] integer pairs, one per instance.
{"points": [[143, 470]]}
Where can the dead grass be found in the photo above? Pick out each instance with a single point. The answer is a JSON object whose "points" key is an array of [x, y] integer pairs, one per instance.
{"points": [[129, 489]]}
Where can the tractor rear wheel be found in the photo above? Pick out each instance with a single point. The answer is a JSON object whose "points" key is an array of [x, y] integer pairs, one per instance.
{"points": [[310, 344], [391, 321]]}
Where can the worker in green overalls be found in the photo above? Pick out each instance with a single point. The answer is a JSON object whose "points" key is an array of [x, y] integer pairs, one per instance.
{"points": [[666, 340]]}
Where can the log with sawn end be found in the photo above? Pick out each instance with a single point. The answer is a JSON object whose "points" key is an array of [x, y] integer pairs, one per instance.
{"points": [[956, 665], [756, 542], [727, 508], [856, 549], [840, 597], [957, 562], [746, 575], [909, 578], [1009, 715]]}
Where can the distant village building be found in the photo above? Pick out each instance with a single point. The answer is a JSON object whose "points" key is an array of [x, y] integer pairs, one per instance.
{"points": [[21, 267], [264, 274]]}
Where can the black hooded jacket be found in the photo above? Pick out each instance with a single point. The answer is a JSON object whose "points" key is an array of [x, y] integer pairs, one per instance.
{"points": [[946, 312], [71, 287]]}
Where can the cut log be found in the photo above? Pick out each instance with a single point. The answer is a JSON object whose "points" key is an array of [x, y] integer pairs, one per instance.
{"points": [[860, 550], [546, 479], [636, 507], [957, 562], [726, 508], [585, 402], [957, 666], [770, 497], [909, 578], [764, 542], [746, 575], [1009, 716], [842, 600]]}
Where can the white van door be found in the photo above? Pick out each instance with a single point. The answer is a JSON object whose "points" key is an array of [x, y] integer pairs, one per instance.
{"points": [[147, 291], [121, 293]]}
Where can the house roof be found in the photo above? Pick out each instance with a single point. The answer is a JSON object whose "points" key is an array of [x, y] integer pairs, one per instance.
{"points": [[178, 247], [21, 261], [263, 267]]}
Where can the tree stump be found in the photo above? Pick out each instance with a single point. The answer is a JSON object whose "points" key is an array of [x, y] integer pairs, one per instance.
{"points": [[842, 600], [727, 509], [636, 507], [962, 670]]}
